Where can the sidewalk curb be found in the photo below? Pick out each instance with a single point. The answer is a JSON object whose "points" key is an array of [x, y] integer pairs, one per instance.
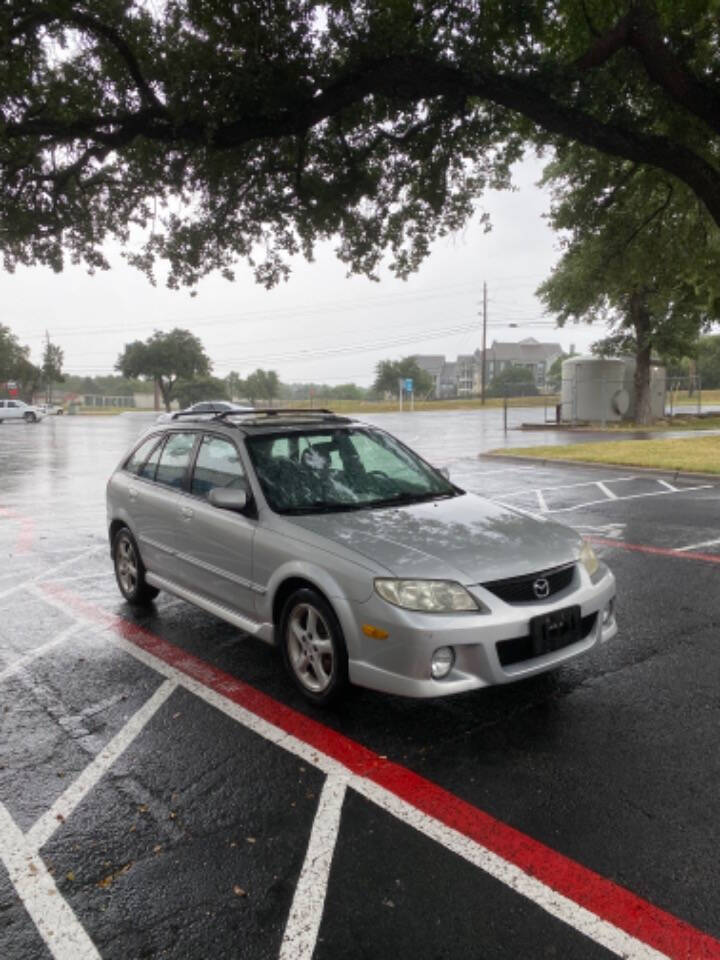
{"points": [[651, 471]]}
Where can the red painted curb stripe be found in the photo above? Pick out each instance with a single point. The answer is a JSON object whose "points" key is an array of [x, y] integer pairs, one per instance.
{"points": [[658, 551], [607, 900]]}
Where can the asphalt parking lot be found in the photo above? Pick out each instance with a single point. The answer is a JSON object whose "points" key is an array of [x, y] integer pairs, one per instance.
{"points": [[165, 793]]}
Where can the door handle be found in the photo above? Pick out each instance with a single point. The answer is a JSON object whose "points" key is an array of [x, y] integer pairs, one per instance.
{"points": [[187, 513]]}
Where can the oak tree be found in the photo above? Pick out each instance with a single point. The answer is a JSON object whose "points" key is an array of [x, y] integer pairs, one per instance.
{"points": [[199, 133], [165, 359], [640, 252]]}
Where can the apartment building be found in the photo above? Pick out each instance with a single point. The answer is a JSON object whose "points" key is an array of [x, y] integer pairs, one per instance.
{"points": [[463, 377]]}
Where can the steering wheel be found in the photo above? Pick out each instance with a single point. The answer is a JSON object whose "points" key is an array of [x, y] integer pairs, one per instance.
{"points": [[378, 473]]}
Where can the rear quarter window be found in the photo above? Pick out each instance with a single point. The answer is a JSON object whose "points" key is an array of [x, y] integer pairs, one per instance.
{"points": [[137, 458]]}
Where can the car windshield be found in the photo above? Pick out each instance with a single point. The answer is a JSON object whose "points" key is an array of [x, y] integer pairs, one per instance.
{"points": [[320, 471]]}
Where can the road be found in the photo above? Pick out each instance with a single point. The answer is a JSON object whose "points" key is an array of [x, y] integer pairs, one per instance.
{"points": [[164, 792]]}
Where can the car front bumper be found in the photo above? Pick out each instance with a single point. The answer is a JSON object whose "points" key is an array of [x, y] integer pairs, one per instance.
{"points": [[401, 662]]}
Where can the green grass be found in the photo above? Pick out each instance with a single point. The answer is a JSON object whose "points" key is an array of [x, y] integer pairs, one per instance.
{"points": [[366, 406], [689, 454], [387, 406], [678, 422]]}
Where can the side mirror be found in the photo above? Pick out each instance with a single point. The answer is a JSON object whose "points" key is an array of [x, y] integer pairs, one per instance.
{"points": [[444, 472], [225, 499]]}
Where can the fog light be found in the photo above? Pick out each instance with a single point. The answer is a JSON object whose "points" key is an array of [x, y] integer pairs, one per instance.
{"points": [[442, 662], [608, 613]]}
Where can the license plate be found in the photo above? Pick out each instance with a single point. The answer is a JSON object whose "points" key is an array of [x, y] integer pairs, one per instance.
{"points": [[552, 631]]}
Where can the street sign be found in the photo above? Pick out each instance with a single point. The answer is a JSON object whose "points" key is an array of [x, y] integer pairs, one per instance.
{"points": [[12, 388], [408, 385]]}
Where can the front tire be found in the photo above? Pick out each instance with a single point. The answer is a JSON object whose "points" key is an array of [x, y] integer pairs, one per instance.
{"points": [[29, 417], [313, 647], [130, 570]]}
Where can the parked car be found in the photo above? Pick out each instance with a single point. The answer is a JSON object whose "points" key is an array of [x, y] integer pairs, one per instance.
{"points": [[17, 410], [335, 541], [209, 407], [51, 409]]}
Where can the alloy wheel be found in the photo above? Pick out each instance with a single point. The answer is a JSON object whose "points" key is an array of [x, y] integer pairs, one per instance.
{"points": [[310, 647]]}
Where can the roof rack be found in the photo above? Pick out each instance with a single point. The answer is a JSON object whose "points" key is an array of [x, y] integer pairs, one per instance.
{"points": [[317, 413], [178, 414]]}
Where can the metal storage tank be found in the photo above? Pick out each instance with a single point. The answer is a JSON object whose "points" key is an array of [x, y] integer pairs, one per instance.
{"points": [[594, 389]]}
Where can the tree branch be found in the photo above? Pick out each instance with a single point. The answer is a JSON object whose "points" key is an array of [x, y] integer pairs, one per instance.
{"points": [[84, 21], [639, 30]]}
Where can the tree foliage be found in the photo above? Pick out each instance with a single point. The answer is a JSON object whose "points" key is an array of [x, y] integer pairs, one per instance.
{"points": [[52, 363], [201, 388], [262, 385], [15, 364], [640, 252], [389, 372], [239, 130], [165, 358], [513, 381], [702, 360], [707, 362]]}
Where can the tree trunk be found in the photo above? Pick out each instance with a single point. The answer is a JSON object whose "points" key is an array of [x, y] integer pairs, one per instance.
{"points": [[641, 322], [165, 391]]}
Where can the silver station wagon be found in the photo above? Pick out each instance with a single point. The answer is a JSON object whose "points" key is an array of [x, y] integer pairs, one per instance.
{"points": [[363, 563]]}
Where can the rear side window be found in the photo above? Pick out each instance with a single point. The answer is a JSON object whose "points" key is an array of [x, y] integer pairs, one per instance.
{"points": [[136, 459], [147, 470], [217, 465], [175, 459]]}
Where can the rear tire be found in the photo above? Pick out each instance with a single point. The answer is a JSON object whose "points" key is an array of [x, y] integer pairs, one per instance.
{"points": [[130, 570], [313, 647]]}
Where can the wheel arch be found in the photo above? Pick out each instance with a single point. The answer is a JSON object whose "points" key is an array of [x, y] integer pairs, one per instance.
{"points": [[116, 525], [288, 587], [298, 577]]}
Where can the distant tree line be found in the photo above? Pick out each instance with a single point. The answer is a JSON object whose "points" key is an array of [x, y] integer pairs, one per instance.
{"points": [[16, 366]]}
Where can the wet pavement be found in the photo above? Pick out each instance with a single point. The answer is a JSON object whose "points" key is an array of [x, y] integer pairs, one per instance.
{"points": [[164, 792]]}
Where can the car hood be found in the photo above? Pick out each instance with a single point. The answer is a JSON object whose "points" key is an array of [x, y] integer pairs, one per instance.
{"points": [[466, 538]]}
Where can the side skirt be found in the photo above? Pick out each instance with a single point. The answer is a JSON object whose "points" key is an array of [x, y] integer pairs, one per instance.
{"points": [[264, 631]]}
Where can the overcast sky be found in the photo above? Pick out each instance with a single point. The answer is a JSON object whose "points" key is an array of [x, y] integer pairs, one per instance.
{"points": [[319, 326]]}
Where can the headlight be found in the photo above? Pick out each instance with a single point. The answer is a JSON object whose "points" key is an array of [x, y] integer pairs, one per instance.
{"points": [[432, 596], [588, 558]]}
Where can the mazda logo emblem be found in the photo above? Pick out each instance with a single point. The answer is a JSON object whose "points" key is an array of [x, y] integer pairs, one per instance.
{"points": [[541, 588]]}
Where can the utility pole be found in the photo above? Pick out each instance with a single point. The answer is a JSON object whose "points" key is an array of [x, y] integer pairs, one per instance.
{"points": [[484, 345], [47, 365]]}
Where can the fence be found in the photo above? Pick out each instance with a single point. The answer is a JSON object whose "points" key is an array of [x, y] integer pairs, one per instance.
{"points": [[604, 400], [687, 389], [98, 400]]}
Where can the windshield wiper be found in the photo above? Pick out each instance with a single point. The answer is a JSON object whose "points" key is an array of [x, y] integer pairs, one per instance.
{"points": [[323, 508], [403, 499]]}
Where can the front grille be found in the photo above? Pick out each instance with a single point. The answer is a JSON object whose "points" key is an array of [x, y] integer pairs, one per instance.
{"points": [[520, 589], [521, 648]]}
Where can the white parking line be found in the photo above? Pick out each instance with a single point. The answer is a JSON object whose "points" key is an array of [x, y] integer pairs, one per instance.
{"points": [[633, 496], [308, 911], [64, 935], [568, 486], [697, 546], [593, 503], [41, 831], [52, 570], [584, 921], [606, 490], [303, 925], [40, 651]]}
